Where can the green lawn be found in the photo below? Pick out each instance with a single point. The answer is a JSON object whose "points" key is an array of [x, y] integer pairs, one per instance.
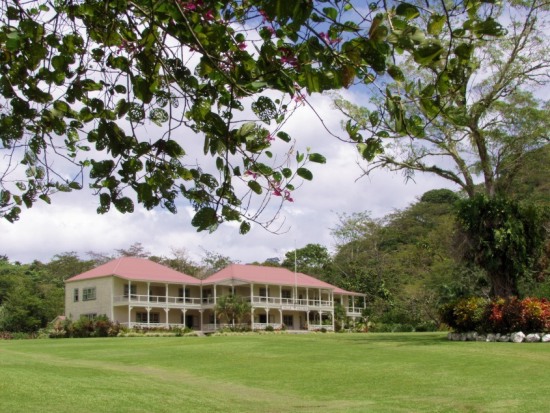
{"points": [[273, 373]]}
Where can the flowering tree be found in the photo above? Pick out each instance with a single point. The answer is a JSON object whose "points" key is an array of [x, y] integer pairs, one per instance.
{"points": [[84, 83]]}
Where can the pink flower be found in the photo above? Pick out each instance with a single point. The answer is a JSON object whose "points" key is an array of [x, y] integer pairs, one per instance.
{"points": [[248, 172], [209, 15], [242, 46], [328, 39]]}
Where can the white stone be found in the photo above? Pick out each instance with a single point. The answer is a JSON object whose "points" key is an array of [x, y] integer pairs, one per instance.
{"points": [[471, 336], [503, 338], [481, 337], [456, 336], [491, 337], [532, 338], [517, 337], [546, 338]]}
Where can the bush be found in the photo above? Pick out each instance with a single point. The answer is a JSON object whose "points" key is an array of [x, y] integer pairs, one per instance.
{"points": [[504, 316], [269, 328]]}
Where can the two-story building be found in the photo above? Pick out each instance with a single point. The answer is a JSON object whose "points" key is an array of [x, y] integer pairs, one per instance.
{"points": [[141, 293]]}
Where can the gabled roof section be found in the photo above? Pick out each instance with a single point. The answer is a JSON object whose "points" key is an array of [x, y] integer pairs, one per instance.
{"points": [[258, 274], [136, 269]]}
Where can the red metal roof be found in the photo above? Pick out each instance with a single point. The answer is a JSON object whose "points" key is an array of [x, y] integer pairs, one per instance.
{"points": [[270, 275], [138, 269]]}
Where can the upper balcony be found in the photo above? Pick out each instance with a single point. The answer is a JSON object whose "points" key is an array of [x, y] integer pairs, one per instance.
{"points": [[158, 301], [210, 302], [290, 303]]}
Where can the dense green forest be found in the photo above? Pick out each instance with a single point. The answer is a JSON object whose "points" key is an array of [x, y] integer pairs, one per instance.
{"points": [[409, 262]]}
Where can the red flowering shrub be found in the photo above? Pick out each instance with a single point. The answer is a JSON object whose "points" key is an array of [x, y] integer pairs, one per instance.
{"points": [[530, 315], [535, 314]]}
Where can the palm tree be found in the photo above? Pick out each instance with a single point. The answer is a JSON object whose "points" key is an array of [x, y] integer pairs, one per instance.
{"points": [[231, 308]]}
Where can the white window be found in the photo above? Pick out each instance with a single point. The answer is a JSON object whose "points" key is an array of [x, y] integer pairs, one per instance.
{"points": [[75, 295], [286, 294], [89, 316], [88, 294]]}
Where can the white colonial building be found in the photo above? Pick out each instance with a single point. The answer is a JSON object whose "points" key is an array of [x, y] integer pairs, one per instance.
{"points": [[141, 293]]}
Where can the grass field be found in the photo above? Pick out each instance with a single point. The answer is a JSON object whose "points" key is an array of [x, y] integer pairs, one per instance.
{"points": [[274, 373]]}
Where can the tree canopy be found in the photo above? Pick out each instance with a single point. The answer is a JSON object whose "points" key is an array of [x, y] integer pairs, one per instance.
{"points": [[114, 94]]}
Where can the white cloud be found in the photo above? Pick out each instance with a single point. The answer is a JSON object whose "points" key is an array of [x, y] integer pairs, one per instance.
{"points": [[71, 222]]}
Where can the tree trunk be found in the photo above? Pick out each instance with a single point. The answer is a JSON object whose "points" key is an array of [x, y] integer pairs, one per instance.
{"points": [[503, 286]]}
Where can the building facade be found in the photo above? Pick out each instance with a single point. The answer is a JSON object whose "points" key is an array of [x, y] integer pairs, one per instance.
{"points": [[141, 293]]}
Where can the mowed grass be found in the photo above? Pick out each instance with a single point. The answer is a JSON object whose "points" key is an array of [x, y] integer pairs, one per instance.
{"points": [[274, 373]]}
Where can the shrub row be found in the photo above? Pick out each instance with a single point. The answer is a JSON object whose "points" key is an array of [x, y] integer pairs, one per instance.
{"points": [[504, 316], [100, 326]]}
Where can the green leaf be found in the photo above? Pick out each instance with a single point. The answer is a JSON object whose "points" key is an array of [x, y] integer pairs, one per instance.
{"points": [[331, 13], [45, 198], [246, 129], [370, 149], [396, 73], [408, 11], [317, 158], [265, 109], [255, 186], [435, 24], [205, 218], [428, 53], [283, 136], [244, 228], [124, 204], [305, 173]]}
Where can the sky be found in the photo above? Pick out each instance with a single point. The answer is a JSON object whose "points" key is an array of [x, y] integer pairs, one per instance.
{"points": [[70, 223]]}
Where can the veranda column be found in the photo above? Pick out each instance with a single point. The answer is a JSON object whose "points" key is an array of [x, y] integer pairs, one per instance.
{"points": [[148, 292], [281, 316], [307, 319], [332, 315], [252, 319], [148, 315], [166, 293], [266, 317], [352, 304], [202, 323], [184, 319], [167, 310], [252, 294], [130, 316], [320, 317]]}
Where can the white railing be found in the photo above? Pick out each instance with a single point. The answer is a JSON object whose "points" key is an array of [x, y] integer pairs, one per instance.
{"points": [[153, 325], [318, 327], [291, 302], [158, 299], [263, 326], [354, 311], [256, 301]]}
